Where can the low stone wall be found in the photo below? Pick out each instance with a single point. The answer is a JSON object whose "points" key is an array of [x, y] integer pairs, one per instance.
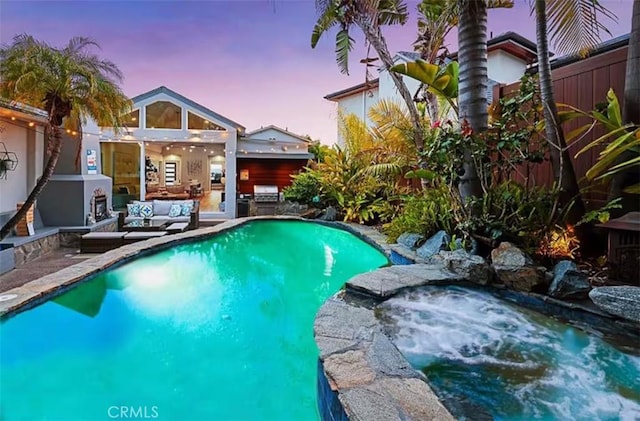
{"points": [[362, 375], [71, 238], [33, 249]]}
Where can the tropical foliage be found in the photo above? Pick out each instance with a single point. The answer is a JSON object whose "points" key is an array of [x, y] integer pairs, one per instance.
{"points": [[439, 80], [620, 141], [505, 155], [369, 16], [363, 179], [71, 83], [575, 26], [425, 212], [305, 188]]}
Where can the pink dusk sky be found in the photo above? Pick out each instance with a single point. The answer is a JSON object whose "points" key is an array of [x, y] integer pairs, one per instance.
{"points": [[250, 61]]}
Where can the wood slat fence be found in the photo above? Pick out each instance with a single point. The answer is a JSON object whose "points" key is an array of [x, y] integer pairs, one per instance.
{"points": [[582, 84]]}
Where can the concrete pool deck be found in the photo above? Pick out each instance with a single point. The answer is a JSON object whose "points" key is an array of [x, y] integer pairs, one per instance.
{"points": [[42, 266]]}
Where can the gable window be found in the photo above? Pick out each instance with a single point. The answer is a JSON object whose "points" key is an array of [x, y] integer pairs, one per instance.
{"points": [[163, 115], [198, 123], [131, 120]]}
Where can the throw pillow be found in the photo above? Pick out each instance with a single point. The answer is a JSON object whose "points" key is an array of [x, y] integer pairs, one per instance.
{"points": [[175, 210], [187, 207], [146, 210], [133, 209]]}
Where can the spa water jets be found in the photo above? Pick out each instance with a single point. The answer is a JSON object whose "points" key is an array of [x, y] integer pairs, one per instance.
{"points": [[482, 354]]}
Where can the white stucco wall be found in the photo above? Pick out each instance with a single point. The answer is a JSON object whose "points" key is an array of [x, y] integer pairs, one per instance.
{"points": [[13, 188], [388, 89], [18, 184], [504, 68]]}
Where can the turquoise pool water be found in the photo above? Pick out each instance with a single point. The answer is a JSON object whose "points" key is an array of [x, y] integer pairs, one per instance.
{"points": [[216, 330], [490, 359]]}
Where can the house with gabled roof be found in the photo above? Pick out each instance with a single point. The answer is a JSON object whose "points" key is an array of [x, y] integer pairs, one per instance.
{"points": [[508, 56], [172, 146]]}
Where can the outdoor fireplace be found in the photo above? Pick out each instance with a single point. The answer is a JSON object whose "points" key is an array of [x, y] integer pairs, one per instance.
{"points": [[100, 207]]}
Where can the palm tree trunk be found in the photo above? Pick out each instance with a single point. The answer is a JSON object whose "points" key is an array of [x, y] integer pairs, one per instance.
{"points": [[630, 114], [631, 110], [56, 138], [563, 172], [472, 88], [374, 37]]}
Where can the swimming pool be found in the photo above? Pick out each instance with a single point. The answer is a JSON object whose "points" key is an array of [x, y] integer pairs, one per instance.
{"points": [[219, 329]]}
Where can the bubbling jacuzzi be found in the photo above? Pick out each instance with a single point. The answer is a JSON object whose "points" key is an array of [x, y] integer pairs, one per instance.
{"points": [[487, 358]]}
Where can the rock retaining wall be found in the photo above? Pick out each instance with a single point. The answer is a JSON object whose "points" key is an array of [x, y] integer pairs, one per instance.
{"points": [[362, 375]]}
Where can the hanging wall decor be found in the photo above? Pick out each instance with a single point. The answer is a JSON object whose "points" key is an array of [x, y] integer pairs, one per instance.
{"points": [[194, 168], [8, 160]]}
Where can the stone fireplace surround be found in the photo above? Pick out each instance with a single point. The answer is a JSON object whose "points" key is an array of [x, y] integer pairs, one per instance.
{"points": [[98, 207]]}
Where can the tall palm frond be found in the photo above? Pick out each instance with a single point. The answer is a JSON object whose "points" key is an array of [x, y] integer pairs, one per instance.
{"points": [[386, 12], [575, 26]]}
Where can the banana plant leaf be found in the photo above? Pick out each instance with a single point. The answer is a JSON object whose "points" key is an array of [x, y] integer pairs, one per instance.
{"points": [[440, 81]]}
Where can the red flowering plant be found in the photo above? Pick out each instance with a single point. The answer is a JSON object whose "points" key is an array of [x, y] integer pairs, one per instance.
{"points": [[443, 150], [505, 155]]}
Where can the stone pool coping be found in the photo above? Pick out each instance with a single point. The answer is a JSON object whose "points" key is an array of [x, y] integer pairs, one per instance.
{"points": [[361, 374], [37, 291]]}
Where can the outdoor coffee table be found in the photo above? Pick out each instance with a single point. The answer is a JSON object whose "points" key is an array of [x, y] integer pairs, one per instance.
{"points": [[99, 242], [151, 225], [177, 227]]}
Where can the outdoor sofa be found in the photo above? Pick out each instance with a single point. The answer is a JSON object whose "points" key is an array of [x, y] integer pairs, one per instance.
{"points": [[161, 210]]}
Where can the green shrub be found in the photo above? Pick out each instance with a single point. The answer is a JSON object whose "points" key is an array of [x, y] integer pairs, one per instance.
{"points": [[304, 189], [511, 212], [425, 213]]}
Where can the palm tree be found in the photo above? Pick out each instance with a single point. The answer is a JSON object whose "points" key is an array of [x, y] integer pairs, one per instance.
{"points": [[368, 16], [631, 110], [575, 27], [472, 85], [71, 84]]}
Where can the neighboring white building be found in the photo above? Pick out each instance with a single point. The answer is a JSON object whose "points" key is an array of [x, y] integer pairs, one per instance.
{"points": [[508, 56]]}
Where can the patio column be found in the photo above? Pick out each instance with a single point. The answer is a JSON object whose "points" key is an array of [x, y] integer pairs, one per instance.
{"points": [[143, 173]]}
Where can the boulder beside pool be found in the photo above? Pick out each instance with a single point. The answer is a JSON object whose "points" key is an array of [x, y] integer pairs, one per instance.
{"points": [[622, 301]]}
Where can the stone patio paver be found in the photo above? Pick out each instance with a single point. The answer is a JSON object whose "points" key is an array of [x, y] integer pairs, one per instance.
{"points": [[42, 266]]}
